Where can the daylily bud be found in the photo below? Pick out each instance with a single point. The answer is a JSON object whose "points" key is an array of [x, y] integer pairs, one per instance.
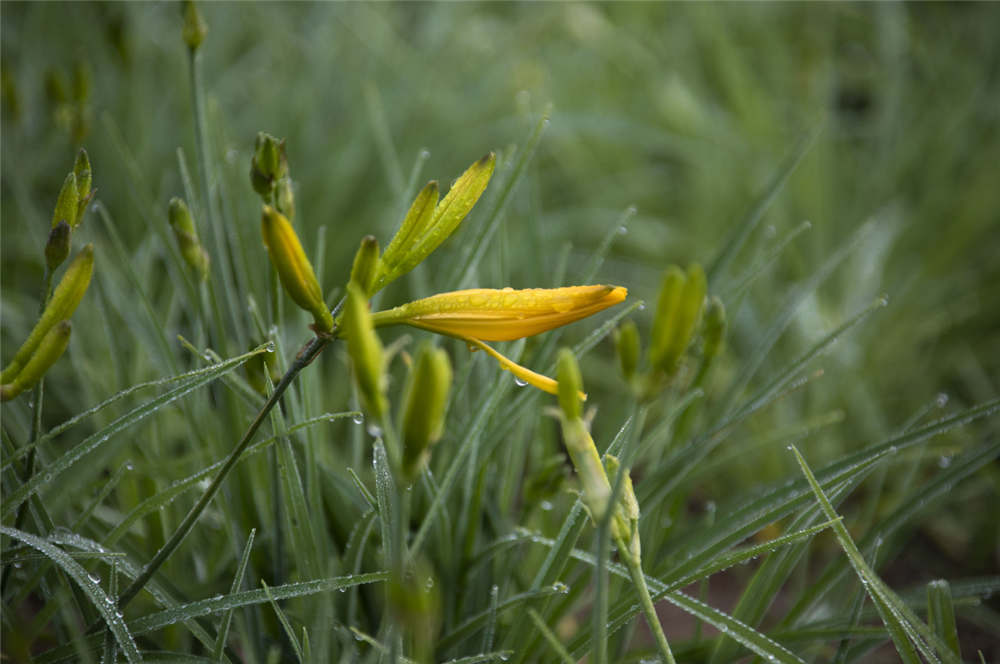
{"points": [[589, 469], [64, 301], [715, 327], [68, 203], [677, 313], [624, 523], [84, 179], [268, 165], [49, 350], [187, 237], [570, 384], [366, 264], [365, 349], [284, 198], [194, 29], [423, 406], [627, 344], [294, 269], [420, 236], [57, 248]]}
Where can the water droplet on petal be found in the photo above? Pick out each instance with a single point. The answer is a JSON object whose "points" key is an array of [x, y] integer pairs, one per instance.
{"points": [[520, 382]]}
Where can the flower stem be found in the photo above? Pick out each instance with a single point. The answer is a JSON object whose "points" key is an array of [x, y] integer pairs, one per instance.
{"points": [[635, 569], [305, 356]]}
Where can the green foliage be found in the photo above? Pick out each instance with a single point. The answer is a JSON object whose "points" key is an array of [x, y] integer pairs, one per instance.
{"points": [[832, 167]]}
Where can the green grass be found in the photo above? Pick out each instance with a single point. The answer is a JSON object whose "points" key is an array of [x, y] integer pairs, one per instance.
{"points": [[629, 137]]}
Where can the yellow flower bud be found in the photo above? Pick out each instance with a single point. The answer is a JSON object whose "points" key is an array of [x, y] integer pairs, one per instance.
{"points": [[365, 349], [49, 350], [424, 404], [64, 301], [366, 265], [294, 269], [187, 237]]}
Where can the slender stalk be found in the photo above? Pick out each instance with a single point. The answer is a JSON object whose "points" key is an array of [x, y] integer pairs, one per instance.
{"points": [[305, 356], [635, 570]]}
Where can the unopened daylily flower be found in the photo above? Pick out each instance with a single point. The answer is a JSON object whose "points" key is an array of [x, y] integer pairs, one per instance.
{"points": [[486, 314]]}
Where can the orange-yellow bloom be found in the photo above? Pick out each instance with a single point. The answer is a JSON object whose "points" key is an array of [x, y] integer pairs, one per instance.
{"points": [[486, 314], [490, 314]]}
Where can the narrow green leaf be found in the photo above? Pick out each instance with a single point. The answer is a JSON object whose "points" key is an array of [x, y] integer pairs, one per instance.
{"points": [[475, 622], [941, 613], [553, 640], [104, 604], [283, 619], [94, 441], [227, 618]]}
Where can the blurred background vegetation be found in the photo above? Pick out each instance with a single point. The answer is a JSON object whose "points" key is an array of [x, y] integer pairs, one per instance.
{"points": [[687, 112]]}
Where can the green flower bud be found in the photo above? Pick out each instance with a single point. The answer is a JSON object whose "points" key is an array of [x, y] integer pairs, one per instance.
{"points": [[84, 179], [424, 404], [294, 269], [677, 313], [68, 204], [366, 353], [366, 264], [195, 28], [268, 165], [589, 469], [49, 350], [64, 301], [187, 238], [624, 524], [627, 345], [419, 235], [715, 328], [57, 248], [570, 384]]}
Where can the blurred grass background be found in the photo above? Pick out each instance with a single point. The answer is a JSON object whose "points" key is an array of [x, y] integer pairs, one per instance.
{"points": [[685, 111]]}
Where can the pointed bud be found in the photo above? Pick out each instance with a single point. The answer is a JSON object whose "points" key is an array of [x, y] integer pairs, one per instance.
{"points": [[52, 346], [715, 328], [68, 203], [627, 345], [677, 313], [366, 263], [195, 28], [421, 235], [61, 306], [365, 349], [84, 179], [57, 248], [624, 524], [424, 403], [187, 238], [294, 269], [268, 165], [570, 384]]}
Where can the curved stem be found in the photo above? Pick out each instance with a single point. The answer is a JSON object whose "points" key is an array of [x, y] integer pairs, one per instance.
{"points": [[305, 356], [635, 569]]}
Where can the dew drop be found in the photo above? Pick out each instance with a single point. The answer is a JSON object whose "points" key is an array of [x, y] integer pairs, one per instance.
{"points": [[357, 418], [560, 588], [546, 506], [941, 400], [374, 430], [623, 230], [893, 450], [94, 578], [269, 347], [18, 565], [883, 300], [429, 583], [504, 656], [520, 382], [217, 597], [944, 462], [642, 306], [341, 590], [129, 466]]}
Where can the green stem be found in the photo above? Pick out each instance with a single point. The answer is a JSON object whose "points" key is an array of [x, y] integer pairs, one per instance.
{"points": [[638, 578], [305, 356]]}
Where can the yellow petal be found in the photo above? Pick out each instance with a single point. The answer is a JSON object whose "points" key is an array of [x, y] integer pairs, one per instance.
{"points": [[502, 314], [530, 377]]}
